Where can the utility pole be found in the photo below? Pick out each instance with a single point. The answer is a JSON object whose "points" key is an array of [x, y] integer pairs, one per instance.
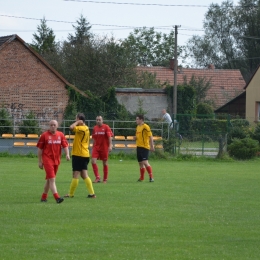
{"points": [[174, 101]]}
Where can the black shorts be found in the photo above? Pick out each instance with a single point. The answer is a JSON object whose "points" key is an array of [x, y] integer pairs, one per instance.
{"points": [[79, 163], [142, 154]]}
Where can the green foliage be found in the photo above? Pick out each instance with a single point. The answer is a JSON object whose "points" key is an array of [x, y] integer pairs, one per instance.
{"points": [[201, 86], [208, 126], [149, 47], [205, 109], [44, 41], [82, 31], [148, 80], [256, 133], [5, 122], [96, 64], [29, 125], [222, 44], [239, 129], [243, 149]]}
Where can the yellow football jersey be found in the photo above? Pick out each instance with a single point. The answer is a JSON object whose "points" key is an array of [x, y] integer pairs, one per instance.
{"points": [[143, 132], [81, 141]]}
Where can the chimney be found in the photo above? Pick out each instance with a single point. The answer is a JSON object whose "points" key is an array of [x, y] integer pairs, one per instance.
{"points": [[211, 67], [172, 62]]}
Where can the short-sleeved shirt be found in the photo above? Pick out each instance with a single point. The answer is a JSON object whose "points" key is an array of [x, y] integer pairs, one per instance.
{"points": [[167, 118], [101, 135], [143, 133], [51, 145], [81, 141]]}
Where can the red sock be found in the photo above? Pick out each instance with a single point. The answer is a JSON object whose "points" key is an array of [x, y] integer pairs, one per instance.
{"points": [[56, 195], [149, 170], [142, 171], [105, 170], [95, 170], [44, 196]]}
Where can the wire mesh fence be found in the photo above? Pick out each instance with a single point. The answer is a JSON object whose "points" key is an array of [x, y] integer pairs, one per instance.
{"points": [[189, 134]]}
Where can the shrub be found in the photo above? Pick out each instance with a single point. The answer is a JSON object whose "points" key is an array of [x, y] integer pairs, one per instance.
{"points": [[205, 109], [237, 132], [245, 148], [29, 125], [256, 133], [5, 122]]}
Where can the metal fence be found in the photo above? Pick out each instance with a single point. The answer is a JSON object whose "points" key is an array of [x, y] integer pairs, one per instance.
{"points": [[192, 134]]}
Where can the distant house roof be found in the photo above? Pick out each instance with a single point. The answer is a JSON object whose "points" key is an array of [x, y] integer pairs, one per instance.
{"points": [[226, 84], [7, 39]]}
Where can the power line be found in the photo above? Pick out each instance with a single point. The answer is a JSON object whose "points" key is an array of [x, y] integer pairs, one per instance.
{"points": [[121, 27], [116, 3]]}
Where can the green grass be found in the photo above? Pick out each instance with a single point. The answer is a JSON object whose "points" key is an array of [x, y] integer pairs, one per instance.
{"points": [[193, 210]]}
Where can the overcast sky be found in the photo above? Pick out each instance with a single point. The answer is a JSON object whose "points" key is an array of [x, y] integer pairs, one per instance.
{"points": [[117, 17]]}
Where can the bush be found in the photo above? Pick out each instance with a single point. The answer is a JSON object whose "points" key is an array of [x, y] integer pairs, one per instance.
{"points": [[237, 132], [256, 133], [29, 125], [205, 109], [245, 148], [5, 122]]}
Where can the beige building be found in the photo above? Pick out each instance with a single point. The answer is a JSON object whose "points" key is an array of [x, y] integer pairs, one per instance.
{"points": [[253, 97]]}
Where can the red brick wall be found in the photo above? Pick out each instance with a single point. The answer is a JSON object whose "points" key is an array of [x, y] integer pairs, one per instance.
{"points": [[26, 84]]}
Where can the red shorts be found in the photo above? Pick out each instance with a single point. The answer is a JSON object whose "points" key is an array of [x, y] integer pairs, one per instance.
{"points": [[100, 154], [51, 170]]}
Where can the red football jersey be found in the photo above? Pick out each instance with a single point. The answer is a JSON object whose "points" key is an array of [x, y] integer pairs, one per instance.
{"points": [[101, 135], [51, 145]]}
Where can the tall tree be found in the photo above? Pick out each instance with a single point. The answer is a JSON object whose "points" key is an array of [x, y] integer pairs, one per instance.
{"points": [[82, 31], [44, 41], [150, 48], [232, 37], [97, 64]]}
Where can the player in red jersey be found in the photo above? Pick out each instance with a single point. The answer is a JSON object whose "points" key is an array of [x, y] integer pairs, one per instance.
{"points": [[102, 145], [49, 154]]}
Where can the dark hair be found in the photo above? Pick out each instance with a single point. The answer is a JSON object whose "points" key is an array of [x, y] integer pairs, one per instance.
{"points": [[81, 116], [140, 117]]}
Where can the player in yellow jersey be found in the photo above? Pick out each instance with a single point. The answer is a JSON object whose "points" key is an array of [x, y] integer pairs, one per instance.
{"points": [[80, 156], [144, 143]]}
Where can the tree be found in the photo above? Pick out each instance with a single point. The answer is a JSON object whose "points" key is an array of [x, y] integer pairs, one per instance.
{"points": [[232, 37], [82, 31], [201, 86], [150, 48], [44, 41], [97, 64]]}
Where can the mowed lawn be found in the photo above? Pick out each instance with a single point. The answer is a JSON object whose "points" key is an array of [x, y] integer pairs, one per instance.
{"points": [[193, 210]]}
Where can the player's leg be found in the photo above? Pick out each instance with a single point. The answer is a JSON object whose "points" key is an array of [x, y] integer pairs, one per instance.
{"points": [[95, 155], [85, 177], [45, 191], [75, 179], [139, 156], [105, 171], [51, 171], [149, 169]]}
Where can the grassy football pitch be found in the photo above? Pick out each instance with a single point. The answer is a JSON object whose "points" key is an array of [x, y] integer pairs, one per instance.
{"points": [[193, 210]]}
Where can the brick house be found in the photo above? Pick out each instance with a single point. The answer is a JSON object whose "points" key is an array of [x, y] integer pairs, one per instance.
{"points": [[29, 83], [226, 83]]}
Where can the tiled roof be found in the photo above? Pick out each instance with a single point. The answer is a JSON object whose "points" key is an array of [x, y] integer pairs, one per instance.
{"points": [[5, 39], [226, 84]]}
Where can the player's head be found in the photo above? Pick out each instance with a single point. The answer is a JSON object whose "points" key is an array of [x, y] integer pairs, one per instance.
{"points": [[139, 119], [53, 126], [164, 111], [99, 120], [81, 116]]}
